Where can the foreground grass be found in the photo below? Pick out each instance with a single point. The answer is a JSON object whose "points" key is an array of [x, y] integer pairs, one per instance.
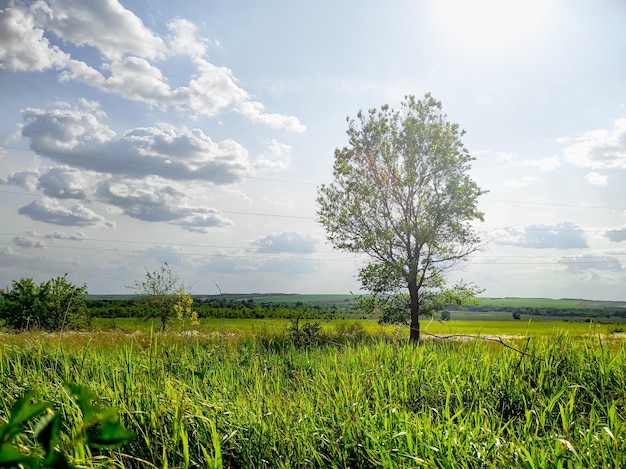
{"points": [[257, 401]]}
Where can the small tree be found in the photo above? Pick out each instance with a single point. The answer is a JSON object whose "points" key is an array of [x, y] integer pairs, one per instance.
{"points": [[51, 305], [159, 290], [402, 194]]}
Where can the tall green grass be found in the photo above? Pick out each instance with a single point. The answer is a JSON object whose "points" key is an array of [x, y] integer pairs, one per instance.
{"points": [[358, 401]]}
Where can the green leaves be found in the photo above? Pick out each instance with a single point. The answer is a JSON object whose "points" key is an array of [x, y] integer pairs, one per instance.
{"points": [[402, 194], [101, 426], [100, 429], [51, 305]]}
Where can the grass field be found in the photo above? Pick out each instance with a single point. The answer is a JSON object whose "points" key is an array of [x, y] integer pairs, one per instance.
{"points": [[550, 303], [479, 323], [361, 400]]}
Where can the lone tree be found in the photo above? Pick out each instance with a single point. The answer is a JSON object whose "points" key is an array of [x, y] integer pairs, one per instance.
{"points": [[402, 195], [159, 290]]}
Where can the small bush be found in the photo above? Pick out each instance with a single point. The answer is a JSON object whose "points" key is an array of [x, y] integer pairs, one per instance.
{"points": [[304, 334], [51, 305]]}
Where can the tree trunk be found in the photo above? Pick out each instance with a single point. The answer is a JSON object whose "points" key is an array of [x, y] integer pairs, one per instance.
{"points": [[414, 336]]}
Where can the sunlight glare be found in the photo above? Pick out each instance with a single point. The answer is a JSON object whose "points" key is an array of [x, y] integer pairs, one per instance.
{"points": [[488, 26]]}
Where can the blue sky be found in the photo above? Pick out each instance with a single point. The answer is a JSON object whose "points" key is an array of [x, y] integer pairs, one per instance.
{"points": [[196, 133]]}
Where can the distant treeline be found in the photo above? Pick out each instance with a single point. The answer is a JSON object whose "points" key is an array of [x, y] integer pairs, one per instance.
{"points": [[578, 312], [224, 308]]}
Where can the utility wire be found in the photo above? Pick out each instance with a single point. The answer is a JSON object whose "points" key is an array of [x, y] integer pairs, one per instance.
{"points": [[286, 181]]}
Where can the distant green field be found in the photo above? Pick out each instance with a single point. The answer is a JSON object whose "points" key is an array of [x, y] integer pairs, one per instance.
{"points": [[331, 299], [550, 303]]}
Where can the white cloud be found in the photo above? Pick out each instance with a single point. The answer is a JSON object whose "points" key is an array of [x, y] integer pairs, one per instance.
{"points": [[26, 178], [50, 211], [265, 164], [77, 138], [287, 241], [105, 25], [128, 47], [276, 159], [616, 236], [212, 90], [77, 236], [592, 262], [62, 130], [254, 111], [279, 148], [134, 78], [202, 220], [598, 149], [183, 39], [63, 183], [27, 242], [563, 235], [155, 200], [23, 46], [596, 179]]}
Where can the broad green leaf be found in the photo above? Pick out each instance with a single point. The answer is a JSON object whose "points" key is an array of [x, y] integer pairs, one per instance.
{"points": [[108, 435], [59, 461], [24, 409], [83, 397], [47, 433], [10, 456]]}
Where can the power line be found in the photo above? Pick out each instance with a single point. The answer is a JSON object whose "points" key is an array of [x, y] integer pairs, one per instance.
{"points": [[286, 181], [549, 260], [166, 164], [523, 202], [232, 212], [301, 217]]}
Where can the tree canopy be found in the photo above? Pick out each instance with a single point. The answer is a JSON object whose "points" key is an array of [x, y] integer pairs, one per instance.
{"points": [[402, 194], [52, 305]]}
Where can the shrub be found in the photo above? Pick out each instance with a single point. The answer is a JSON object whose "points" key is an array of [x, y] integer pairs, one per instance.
{"points": [[306, 334], [51, 305]]}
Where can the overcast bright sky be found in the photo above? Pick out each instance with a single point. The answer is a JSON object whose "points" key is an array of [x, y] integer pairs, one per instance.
{"points": [[196, 133]]}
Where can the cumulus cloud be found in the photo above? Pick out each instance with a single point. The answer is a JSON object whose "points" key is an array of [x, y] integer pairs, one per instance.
{"points": [[63, 183], [129, 50], [278, 148], [77, 138], [27, 242], [275, 158], [213, 89], [592, 262], [616, 236], [26, 178], [135, 79], [563, 235], [107, 26], [599, 149], [596, 179], [157, 201], [254, 111], [287, 241], [183, 39], [23, 46], [77, 236], [50, 211]]}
